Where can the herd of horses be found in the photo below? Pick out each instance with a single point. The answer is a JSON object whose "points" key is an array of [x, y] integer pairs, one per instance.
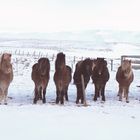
{"points": [[96, 69]]}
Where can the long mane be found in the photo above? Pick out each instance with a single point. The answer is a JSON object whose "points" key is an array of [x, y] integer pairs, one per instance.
{"points": [[60, 61]]}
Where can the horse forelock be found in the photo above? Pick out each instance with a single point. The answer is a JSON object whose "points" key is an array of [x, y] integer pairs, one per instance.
{"points": [[126, 68], [126, 65], [100, 65], [43, 66]]}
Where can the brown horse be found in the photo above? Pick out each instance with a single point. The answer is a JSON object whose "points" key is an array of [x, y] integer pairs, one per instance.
{"points": [[62, 78], [84, 68], [100, 76], [6, 76], [124, 77], [41, 75]]}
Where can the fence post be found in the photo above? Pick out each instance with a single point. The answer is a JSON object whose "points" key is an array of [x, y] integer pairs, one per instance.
{"points": [[122, 57], [83, 88], [111, 64]]}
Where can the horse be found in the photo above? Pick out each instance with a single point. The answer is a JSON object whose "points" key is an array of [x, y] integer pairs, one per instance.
{"points": [[124, 77], [40, 76], [83, 68], [62, 78], [6, 76], [100, 76]]}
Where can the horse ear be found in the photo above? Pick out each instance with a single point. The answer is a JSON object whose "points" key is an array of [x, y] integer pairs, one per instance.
{"points": [[105, 62], [2, 57], [10, 54]]}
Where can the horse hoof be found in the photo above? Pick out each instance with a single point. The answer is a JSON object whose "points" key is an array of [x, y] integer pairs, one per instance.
{"points": [[5, 104], [95, 99], [82, 102], [77, 102], [127, 101], [34, 102], [103, 99], [44, 101], [62, 103]]}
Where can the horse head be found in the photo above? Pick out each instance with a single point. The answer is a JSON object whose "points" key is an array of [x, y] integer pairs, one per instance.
{"points": [[87, 66], [43, 66], [126, 67], [5, 63], [100, 65]]}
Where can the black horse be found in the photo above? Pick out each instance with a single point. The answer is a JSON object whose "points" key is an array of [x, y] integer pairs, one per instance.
{"points": [[41, 75], [100, 76], [62, 78], [83, 68]]}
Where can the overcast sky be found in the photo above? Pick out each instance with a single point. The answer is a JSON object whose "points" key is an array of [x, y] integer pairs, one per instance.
{"points": [[68, 15]]}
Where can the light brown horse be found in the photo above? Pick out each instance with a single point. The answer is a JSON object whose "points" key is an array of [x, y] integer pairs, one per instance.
{"points": [[62, 78], [124, 77], [6, 76]]}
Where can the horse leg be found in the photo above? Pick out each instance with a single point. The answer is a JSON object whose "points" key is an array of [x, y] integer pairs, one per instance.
{"points": [[36, 96], [1, 96], [57, 96], [62, 97], [120, 93], [40, 93], [44, 96], [103, 92], [66, 94], [78, 94], [126, 91], [5, 96], [96, 93]]}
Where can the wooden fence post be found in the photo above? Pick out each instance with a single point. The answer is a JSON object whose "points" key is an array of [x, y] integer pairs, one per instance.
{"points": [[111, 64], [83, 88]]}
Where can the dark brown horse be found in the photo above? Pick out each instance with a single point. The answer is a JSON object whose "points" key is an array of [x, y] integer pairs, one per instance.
{"points": [[83, 68], [62, 78], [124, 77], [100, 76], [40, 76]]}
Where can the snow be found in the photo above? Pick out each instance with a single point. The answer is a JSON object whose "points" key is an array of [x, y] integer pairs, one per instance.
{"points": [[111, 120]]}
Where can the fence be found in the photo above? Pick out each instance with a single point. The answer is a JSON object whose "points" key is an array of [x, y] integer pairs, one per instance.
{"points": [[135, 60], [72, 60]]}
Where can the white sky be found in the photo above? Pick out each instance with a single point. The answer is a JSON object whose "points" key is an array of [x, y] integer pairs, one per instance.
{"points": [[68, 15]]}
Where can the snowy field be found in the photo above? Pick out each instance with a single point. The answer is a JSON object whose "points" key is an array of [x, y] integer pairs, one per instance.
{"points": [[112, 120]]}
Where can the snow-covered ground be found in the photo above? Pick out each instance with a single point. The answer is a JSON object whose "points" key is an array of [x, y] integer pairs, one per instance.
{"points": [[112, 120]]}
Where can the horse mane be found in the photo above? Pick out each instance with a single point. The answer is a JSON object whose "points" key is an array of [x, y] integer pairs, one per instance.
{"points": [[60, 60]]}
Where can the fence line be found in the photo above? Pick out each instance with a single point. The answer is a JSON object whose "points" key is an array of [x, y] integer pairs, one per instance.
{"points": [[73, 60], [135, 60]]}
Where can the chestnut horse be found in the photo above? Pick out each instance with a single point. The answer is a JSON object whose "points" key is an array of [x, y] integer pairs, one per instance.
{"points": [[124, 77], [41, 75], [100, 76], [6, 76], [83, 68], [62, 78]]}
